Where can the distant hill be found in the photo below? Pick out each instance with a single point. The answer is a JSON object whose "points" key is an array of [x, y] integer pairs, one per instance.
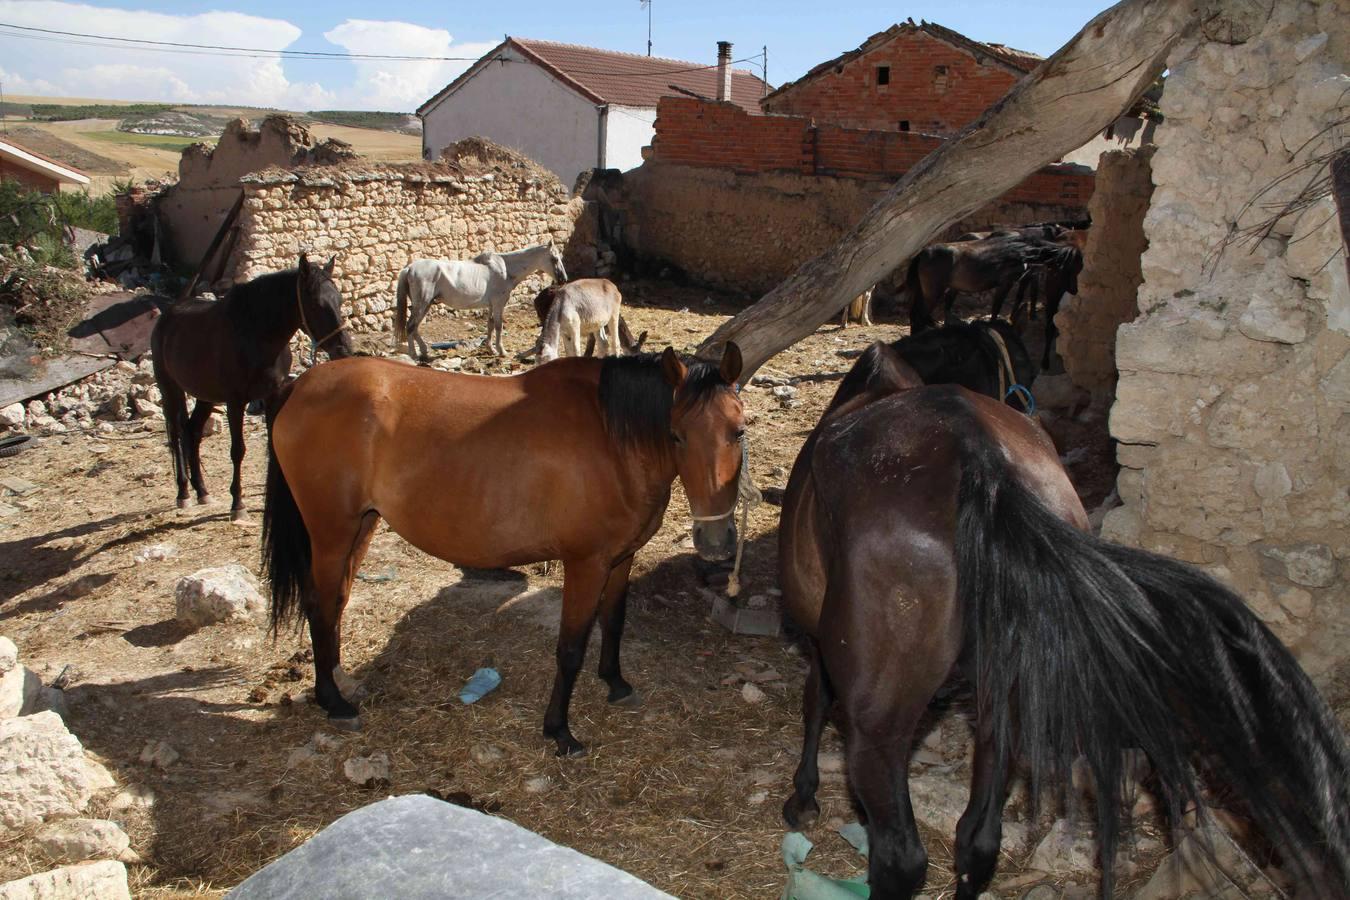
{"points": [[402, 123]]}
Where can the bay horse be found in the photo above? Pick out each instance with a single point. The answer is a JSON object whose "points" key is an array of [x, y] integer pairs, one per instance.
{"points": [[486, 280], [1050, 279], [572, 461], [858, 310], [588, 306], [939, 271], [234, 351], [543, 303], [930, 535]]}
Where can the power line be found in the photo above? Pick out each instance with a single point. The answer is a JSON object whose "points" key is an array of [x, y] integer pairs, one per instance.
{"points": [[144, 44]]}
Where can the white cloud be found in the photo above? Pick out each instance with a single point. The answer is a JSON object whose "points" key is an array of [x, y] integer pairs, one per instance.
{"points": [[383, 84], [116, 73]]}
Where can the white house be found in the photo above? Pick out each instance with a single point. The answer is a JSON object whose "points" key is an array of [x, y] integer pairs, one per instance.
{"points": [[573, 108]]}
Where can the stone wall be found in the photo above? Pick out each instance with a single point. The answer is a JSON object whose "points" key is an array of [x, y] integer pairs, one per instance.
{"points": [[749, 231], [1109, 285], [1233, 405], [191, 211], [376, 219]]}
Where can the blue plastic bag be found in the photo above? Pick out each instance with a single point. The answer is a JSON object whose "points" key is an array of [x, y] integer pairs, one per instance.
{"points": [[479, 685]]}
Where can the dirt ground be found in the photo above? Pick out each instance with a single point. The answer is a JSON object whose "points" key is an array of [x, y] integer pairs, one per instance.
{"points": [[684, 792]]}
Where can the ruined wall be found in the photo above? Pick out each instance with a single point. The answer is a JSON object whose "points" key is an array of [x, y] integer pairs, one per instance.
{"points": [[749, 231], [1233, 406], [191, 211], [1109, 285], [376, 219], [934, 87]]}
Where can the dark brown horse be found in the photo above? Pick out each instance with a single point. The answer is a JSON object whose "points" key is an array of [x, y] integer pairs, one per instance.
{"points": [[1051, 278], [929, 534], [940, 271], [234, 351], [572, 461]]}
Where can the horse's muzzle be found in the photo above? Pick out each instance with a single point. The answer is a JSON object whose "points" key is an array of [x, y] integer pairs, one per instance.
{"points": [[715, 541]]}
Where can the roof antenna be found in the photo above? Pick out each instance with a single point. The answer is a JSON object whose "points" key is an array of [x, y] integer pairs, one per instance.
{"points": [[647, 5]]}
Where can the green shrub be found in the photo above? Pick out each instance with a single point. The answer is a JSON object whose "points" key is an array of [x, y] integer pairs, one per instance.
{"points": [[38, 221]]}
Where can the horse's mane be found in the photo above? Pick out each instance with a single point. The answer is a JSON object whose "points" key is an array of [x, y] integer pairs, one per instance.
{"points": [[942, 355], [878, 366], [636, 399], [263, 300]]}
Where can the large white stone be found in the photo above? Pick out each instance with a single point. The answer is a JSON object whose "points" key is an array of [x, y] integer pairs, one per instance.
{"points": [[75, 840], [9, 655], [44, 772], [220, 594], [106, 880], [20, 691], [12, 416]]}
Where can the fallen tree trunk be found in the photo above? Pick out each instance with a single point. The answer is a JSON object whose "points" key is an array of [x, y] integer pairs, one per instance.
{"points": [[1067, 101]]}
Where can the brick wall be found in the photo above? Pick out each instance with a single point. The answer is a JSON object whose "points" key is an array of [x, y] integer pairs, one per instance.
{"points": [[28, 178], [918, 93], [691, 132]]}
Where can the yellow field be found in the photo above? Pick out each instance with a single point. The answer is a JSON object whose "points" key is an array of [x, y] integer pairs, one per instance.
{"points": [[150, 162]]}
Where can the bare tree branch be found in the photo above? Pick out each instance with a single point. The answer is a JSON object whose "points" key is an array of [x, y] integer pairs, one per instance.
{"points": [[1068, 100]]}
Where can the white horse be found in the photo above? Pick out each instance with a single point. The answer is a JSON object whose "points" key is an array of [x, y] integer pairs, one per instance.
{"points": [[585, 306], [486, 280]]}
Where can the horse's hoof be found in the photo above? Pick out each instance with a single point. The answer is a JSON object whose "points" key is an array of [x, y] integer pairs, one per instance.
{"points": [[800, 814], [238, 515], [183, 502], [571, 748], [630, 700], [203, 499], [345, 723]]}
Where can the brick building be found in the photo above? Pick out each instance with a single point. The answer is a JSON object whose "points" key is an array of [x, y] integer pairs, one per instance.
{"points": [[32, 169], [922, 78]]}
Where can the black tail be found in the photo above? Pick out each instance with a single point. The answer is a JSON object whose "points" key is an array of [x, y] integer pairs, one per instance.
{"points": [[285, 544], [1100, 648]]}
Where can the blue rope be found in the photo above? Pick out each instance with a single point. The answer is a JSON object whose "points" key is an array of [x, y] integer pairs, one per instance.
{"points": [[1023, 394]]}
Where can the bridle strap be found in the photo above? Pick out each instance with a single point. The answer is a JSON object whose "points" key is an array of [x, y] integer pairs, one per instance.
{"points": [[1007, 377], [314, 343]]}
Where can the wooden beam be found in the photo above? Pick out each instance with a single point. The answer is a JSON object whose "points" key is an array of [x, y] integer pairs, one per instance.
{"points": [[1076, 93]]}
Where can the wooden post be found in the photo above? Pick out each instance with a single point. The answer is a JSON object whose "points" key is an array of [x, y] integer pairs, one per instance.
{"points": [[1066, 102]]}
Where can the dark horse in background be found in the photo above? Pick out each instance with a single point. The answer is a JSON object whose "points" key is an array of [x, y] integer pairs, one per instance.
{"points": [[930, 535], [1050, 280], [985, 356], [573, 460], [234, 351], [940, 271]]}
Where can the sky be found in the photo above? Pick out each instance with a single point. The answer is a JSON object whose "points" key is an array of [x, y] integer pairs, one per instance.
{"points": [[798, 35]]}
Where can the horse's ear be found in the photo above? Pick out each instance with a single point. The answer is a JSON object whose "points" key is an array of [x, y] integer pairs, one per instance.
{"points": [[304, 263], [328, 269], [731, 363], [673, 368]]}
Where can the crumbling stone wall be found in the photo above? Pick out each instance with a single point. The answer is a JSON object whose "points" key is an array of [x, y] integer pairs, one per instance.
{"points": [[377, 219], [192, 210], [1233, 406], [1109, 285]]}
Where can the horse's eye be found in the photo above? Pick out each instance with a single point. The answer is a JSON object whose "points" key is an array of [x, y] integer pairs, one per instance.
{"points": [[679, 441], [740, 434]]}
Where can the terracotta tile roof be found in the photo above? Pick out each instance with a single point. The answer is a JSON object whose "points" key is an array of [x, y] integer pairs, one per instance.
{"points": [[1019, 61], [623, 79], [68, 173]]}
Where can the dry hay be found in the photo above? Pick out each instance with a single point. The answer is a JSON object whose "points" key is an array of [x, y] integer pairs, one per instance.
{"points": [[684, 792]]}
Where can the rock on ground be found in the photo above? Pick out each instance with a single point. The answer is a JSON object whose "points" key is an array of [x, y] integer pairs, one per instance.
{"points": [[106, 880], [158, 754], [220, 594], [20, 688], [44, 772], [77, 840], [366, 770]]}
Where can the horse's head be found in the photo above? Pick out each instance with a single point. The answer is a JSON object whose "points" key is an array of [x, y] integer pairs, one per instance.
{"points": [[321, 308], [707, 425], [555, 257], [1071, 265]]}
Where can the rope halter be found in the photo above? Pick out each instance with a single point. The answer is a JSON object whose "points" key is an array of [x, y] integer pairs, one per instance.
{"points": [[1007, 377], [747, 497]]}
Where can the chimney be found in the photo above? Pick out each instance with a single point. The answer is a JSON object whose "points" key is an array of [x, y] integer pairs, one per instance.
{"points": [[724, 70]]}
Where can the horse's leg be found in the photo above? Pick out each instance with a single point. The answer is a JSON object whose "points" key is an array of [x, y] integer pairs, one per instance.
{"points": [[201, 411], [867, 309], [948, 301], [613, 610], [615, 348], [336, 558], [583, 583], [497, 311], [1054, 293], [1000, 295], [419, 313], [801, 808], [174, 403], [980, 831], [234, 412]]}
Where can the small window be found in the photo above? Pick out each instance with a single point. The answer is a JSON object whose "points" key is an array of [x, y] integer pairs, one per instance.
{"points": [[904, 124], [883, 75], [939, 70]]}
